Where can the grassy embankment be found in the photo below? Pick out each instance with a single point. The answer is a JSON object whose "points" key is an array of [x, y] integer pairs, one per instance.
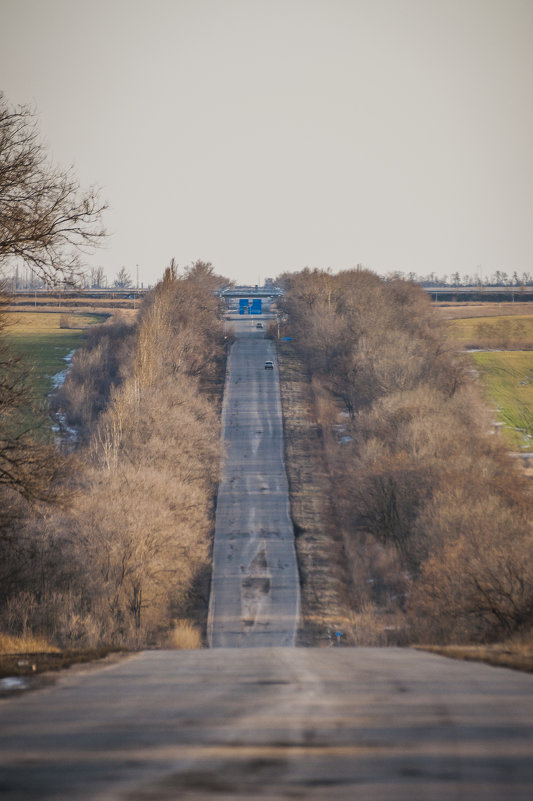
{"points": [[506, 371], [46, 345]]}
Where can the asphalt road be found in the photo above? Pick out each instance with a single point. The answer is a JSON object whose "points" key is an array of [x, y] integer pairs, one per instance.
{"points": [[255, 585], [283, 723]]}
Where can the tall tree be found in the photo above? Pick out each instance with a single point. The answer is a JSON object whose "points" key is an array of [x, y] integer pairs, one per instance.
{"points": [[47, 223]]}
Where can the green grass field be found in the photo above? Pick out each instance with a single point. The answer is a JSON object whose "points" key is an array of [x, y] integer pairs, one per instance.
{"points": [[518, 328], [45, 344], [508, 379]]}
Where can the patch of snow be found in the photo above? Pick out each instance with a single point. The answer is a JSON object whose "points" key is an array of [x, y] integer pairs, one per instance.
{"points": [[59, 378], [13, 683]]}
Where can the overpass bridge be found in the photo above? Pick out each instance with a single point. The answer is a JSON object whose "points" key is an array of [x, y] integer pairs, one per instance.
{"points": [[250, 292], [452, 294]]}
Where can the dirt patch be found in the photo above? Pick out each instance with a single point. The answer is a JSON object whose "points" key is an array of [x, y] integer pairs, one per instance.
{"points": [[20, 673], [33, 664], [319, 548]]}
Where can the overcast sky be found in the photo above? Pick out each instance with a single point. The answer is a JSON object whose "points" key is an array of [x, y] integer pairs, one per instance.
{"points": [[270, 135]]}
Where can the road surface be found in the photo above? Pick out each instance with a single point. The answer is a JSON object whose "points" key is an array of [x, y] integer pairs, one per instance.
{"points": [[272, 724], [255, 584]]}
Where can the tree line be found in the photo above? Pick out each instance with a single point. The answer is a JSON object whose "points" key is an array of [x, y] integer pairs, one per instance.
{"points": [[104, 539], [125, 549], [436, 516], [498, 278]]}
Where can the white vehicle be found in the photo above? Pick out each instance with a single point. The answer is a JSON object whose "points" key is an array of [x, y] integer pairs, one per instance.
{"points": [[269, 365]]}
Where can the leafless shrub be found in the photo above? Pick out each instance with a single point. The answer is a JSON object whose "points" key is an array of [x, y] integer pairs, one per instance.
{"points": [[370, 627], [123, 560], [431, 506], [477, 584]]}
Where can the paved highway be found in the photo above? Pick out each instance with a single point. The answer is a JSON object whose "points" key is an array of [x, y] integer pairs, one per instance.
{"points": [[255, 585], [273, 724]]}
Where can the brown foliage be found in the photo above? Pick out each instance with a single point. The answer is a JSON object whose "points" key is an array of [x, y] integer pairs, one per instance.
{"points": [[122, 562], [430, 503]]}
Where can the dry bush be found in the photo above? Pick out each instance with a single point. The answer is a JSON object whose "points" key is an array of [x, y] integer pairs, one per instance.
{"points": [[184, 636], [477, 584], [94, 372], [371, 626], [125, 558], [416, 469], [28, 644]]}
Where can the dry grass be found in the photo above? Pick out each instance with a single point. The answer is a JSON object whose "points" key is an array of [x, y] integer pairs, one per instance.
{"points": [[372, 627], [53, 303], [185, 636], [27, 644], [455, 311], [518, 656], [505, 331]]}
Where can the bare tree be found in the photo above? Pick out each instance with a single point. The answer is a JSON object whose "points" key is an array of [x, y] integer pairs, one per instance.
{"points": [[123, 279], [97, 277], [46, 221]]}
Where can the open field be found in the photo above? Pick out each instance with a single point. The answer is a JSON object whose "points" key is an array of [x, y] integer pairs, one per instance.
{"points": [[505, 331], [46, 345], [508, 377], [453, 311]]}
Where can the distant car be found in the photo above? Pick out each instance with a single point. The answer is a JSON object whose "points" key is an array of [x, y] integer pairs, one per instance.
{"points": [[269, 365], [259, 325]]}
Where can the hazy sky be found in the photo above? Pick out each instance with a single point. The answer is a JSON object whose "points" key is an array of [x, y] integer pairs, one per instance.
{"points": [[266, 135]]}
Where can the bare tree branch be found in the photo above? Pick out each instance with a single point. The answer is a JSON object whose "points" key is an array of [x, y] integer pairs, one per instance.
{"points": [[46, 220]]}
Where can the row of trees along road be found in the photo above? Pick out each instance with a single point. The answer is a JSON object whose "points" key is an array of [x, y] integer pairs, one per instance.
{"points": [[110, 541], [436, 517], [46, 220]]}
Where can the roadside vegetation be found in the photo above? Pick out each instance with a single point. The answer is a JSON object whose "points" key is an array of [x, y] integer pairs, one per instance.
{"points": [[129, 553], [106, 540], [436, 518]]}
